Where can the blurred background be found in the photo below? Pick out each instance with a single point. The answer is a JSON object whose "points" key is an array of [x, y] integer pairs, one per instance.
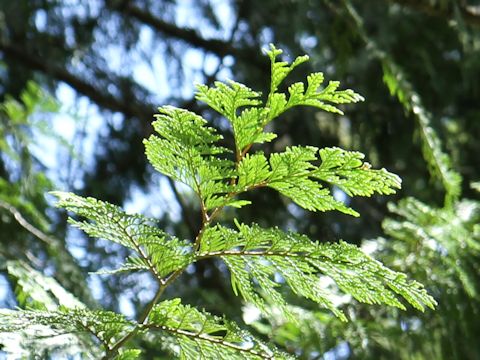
{"points": [[80, 81]]}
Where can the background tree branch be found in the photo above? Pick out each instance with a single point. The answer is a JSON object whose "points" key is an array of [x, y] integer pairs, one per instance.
{"points": [[470, 14]]}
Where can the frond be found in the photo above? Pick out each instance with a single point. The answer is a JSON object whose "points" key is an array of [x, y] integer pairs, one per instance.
{"points": [[346, 170], [227, 99], [281, 69], [249, 126], [313, 95], [292, 174], [201, 335], [243, 108], [295, 175], [310, 195], [155, 250], [186, 151], [262, 262], [257, 256], [132, 264], [253, 171]]}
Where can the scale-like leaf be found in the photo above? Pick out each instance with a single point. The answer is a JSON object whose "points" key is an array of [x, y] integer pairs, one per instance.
{"points": [[155, 250], [248, 128], [228, 98], [299, 96], [253, 171], [347, 170], [310, 195], [291, 173], [280, 69], [186, 150], [201, 335], [294, 174], [256, 256]]}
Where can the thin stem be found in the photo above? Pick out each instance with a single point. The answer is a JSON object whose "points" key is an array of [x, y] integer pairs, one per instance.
{"points": [[198, 239], [232, 194], [143, 318], [151, 304], [144, 256], [26, 225]]}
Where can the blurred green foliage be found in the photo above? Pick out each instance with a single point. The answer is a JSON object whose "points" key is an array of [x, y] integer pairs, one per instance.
{"points": [[425, 53]]}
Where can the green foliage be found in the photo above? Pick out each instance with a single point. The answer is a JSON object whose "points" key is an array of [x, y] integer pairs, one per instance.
{"points": [[439, 163], [227, 100], [248, 125], [24, 342], [186, 152], [292, 174], [203, 336], [311, 332], [25, 113], [186, 149], [105, 326], [255, 255], [448, 238], [346, 170], [260, 260], [155, 250], [21, 185], [24, 127], [437, 246], [130, 354], [278, 103], [37, 291]]}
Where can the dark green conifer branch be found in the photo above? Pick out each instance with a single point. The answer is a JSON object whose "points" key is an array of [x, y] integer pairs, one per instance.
{"points": [[439, 163]]}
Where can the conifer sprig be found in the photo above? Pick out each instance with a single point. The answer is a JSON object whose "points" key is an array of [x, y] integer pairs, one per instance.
{"points": [[248, 124], [154, 250], [201, 335], [260, 260], [256, 255], [294, 174]]}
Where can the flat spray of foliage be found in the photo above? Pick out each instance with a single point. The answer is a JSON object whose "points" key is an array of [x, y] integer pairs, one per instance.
{"points": [[259, 260]]}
